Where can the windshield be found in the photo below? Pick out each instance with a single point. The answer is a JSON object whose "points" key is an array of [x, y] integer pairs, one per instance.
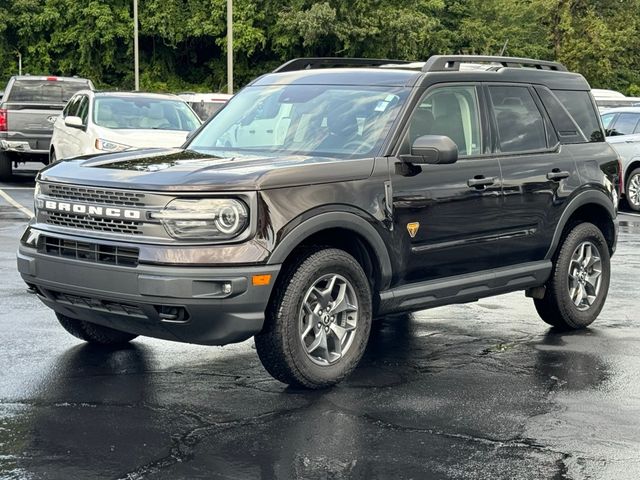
{"points": [[144, 113], [322, 120], [44, 91]]}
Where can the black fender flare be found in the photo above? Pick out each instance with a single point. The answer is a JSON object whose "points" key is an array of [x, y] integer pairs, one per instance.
{"points": [[345, 220], [584, 198]]}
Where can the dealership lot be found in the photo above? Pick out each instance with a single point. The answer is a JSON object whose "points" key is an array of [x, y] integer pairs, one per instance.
{"points": [[481, 390]]}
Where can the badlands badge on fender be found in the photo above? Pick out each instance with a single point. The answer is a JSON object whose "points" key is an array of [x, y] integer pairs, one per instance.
{"points": [[412, 228]]}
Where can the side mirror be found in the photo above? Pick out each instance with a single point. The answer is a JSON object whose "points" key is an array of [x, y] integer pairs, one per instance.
{"points": [[433, 149], [73, 122]]}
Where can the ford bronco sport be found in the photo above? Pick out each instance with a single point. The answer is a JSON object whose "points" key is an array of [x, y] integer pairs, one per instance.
{"points": [[331, 192]]}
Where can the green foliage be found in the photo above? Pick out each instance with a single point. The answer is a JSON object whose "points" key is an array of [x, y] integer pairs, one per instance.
{"points": [[183, 42]]}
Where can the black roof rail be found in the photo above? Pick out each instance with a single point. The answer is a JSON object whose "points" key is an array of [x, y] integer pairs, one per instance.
{"points": [[444, 63], [333, 62]]}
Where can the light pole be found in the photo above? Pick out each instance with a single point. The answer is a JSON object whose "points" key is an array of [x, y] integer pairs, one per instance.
{"points": [[19, 62], [136, 60], [230, 46]]}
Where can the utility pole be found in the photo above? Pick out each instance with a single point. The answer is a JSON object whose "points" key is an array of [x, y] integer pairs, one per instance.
{"points": [[230, 46], [19, 63], [136, 60]]}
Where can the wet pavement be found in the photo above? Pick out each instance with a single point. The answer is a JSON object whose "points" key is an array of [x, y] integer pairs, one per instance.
{"points": [[475, 391]]}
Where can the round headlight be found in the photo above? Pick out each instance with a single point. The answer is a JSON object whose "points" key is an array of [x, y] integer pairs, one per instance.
{"points": [[204, 219]]}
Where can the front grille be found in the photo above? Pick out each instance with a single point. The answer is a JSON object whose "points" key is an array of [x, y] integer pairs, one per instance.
{"points": [[96, 195], [88, 252], [99, 305], [111, 225]]}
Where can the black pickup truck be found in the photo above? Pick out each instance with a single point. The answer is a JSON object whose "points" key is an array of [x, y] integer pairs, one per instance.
{"points": [[28, 108], [331, 192]]}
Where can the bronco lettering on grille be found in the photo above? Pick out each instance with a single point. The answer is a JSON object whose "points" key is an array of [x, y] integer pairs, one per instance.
{"points": [[90, 210]]}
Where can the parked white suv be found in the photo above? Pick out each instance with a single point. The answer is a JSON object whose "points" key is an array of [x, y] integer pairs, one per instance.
{"points": [[622, 126], [95, 122]]}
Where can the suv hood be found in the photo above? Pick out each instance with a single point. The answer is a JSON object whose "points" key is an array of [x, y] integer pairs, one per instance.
{"points": [[185, 170]]}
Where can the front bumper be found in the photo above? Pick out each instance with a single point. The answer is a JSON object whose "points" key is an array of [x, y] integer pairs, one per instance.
{"points": [[185, 304]]}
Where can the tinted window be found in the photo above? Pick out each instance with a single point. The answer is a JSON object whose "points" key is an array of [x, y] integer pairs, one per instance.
{"points": [[138, 112], [564, 125], [83, 109], [449, 111], [520, 123], [579, 105], [71, 109], [206, 110], [625, 124], [44, 91]]}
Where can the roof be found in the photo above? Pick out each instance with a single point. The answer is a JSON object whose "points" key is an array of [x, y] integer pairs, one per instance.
{"points": [[439, 68], [106, 93], [50, 77], [622, 110], [342, 76]]}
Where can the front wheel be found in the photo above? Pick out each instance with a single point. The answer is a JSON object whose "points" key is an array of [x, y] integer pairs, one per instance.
{"points": [[579, 282], [319, 320], [633, 190], [93, 333]]}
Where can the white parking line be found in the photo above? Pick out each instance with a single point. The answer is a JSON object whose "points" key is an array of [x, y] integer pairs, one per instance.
{"points": [[20, 207], [630, 214]]}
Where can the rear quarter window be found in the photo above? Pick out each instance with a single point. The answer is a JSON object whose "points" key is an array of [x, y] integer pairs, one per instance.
{"points": [[580, 106]]}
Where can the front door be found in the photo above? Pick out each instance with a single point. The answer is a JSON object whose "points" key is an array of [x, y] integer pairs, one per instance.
{"points": [[446, 216]]}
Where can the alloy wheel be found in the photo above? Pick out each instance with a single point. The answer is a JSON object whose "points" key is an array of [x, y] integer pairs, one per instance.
{"points": [[633, 190], [328, 319], [585, 275]]}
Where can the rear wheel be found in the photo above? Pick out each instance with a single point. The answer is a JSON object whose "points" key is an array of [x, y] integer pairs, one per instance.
{"points": [[92, 333], [6, 167], [319, 320], [579, 283], [633, 190]]}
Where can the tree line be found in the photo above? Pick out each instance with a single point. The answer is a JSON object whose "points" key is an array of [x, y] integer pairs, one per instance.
{"points": [[183, 42]]}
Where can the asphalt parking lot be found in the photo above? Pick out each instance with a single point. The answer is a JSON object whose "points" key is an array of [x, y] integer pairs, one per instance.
{"points": [[475, 391]]}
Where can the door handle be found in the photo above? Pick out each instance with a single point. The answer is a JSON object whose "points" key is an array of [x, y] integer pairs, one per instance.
{"points": [[480, 181], [556, 175]]}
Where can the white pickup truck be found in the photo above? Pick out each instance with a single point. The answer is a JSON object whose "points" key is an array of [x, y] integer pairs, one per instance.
{"points": [[28, 109]]}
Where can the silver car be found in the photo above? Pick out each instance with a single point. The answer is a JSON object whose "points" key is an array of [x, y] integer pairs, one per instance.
{"points": [[623, 133]]}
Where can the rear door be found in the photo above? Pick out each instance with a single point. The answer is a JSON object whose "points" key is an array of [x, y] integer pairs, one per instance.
{"points": [[445, 217], [539, 173]]}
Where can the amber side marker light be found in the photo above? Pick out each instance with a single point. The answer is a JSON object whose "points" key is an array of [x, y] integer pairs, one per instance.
{"points": [[260, 280]]}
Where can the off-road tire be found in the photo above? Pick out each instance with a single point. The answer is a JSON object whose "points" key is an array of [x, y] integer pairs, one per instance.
{"points": [[556, 308], [92, 333], [6, 167], [633, 205], [279, 346]]}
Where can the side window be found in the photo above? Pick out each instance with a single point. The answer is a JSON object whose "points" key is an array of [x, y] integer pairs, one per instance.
{"points": [[625, 124], [579, 105], [83, 109], [451, 111], [520, 123], [71, 108], [606, 120]]}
